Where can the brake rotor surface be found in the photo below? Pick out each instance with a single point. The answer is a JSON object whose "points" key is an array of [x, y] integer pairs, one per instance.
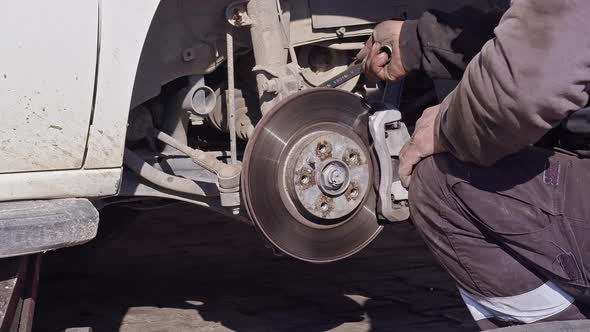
{"points": [[308, 175]]}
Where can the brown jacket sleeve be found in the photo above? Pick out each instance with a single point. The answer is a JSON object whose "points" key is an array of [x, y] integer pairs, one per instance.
{"points": [[441, 44], [524, 81]]}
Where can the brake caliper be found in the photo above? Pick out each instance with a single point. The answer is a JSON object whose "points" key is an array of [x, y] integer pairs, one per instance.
{"points": [[389, 135]]}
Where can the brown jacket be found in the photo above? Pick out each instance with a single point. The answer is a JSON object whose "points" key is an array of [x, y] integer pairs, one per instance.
{"points": [[527, 78]]}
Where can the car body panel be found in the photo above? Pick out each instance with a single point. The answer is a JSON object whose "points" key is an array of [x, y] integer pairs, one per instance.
{"points": [[47, 76], [124, 26], [47, 110], [60, 184]]}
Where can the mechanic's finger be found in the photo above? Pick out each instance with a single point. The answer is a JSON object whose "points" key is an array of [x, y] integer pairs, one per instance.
{"points": [[363, 53], [407, 181], [374, 50], [405, 175], [369, 75], [364, 65], [409, 157], [367, 64], [378, 66], [366, 58], [380, 60], [402, 163]]}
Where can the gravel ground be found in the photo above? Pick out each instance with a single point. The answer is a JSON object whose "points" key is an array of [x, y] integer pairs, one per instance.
{"points": [[184, 268]]}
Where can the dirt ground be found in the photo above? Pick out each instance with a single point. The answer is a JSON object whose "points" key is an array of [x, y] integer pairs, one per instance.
{"points": [[184, 268]]}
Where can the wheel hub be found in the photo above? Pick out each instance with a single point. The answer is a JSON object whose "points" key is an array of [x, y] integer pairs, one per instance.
{"points": [[329, 175]]}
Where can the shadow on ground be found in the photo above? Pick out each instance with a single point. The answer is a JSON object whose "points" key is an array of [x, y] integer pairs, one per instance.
{"points": [[184, 268]]}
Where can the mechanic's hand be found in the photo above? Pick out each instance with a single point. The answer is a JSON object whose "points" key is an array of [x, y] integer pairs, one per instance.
{"points": [[424, 143], [376, 64]]}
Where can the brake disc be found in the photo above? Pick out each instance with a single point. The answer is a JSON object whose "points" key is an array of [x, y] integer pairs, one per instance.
{"points": [[308, 176]]}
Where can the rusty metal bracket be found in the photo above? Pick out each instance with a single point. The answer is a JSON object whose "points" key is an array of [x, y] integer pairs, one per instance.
{"points": [[237, 14]]}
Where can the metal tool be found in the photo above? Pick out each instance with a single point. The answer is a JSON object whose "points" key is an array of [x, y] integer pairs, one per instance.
{"points": [[353, 71], [308, 176]]}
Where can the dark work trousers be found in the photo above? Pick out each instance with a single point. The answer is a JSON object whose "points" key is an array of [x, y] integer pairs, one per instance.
{"points": [[515, 237]]}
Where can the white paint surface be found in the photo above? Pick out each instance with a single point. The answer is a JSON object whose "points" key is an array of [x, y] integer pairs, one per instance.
{"points": [[60, 184], [47, 70], [124, 27], [48, 61]]}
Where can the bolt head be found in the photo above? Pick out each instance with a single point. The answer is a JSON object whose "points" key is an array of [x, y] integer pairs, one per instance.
{"points": [[336, 177]]}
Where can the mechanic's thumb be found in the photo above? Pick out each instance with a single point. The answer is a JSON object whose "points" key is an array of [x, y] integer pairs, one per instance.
{"points": [[379, 61]]}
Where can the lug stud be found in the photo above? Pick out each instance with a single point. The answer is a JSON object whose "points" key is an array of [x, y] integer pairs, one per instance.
{"points": [[324, 150], [352, 158], [304, 179]]}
